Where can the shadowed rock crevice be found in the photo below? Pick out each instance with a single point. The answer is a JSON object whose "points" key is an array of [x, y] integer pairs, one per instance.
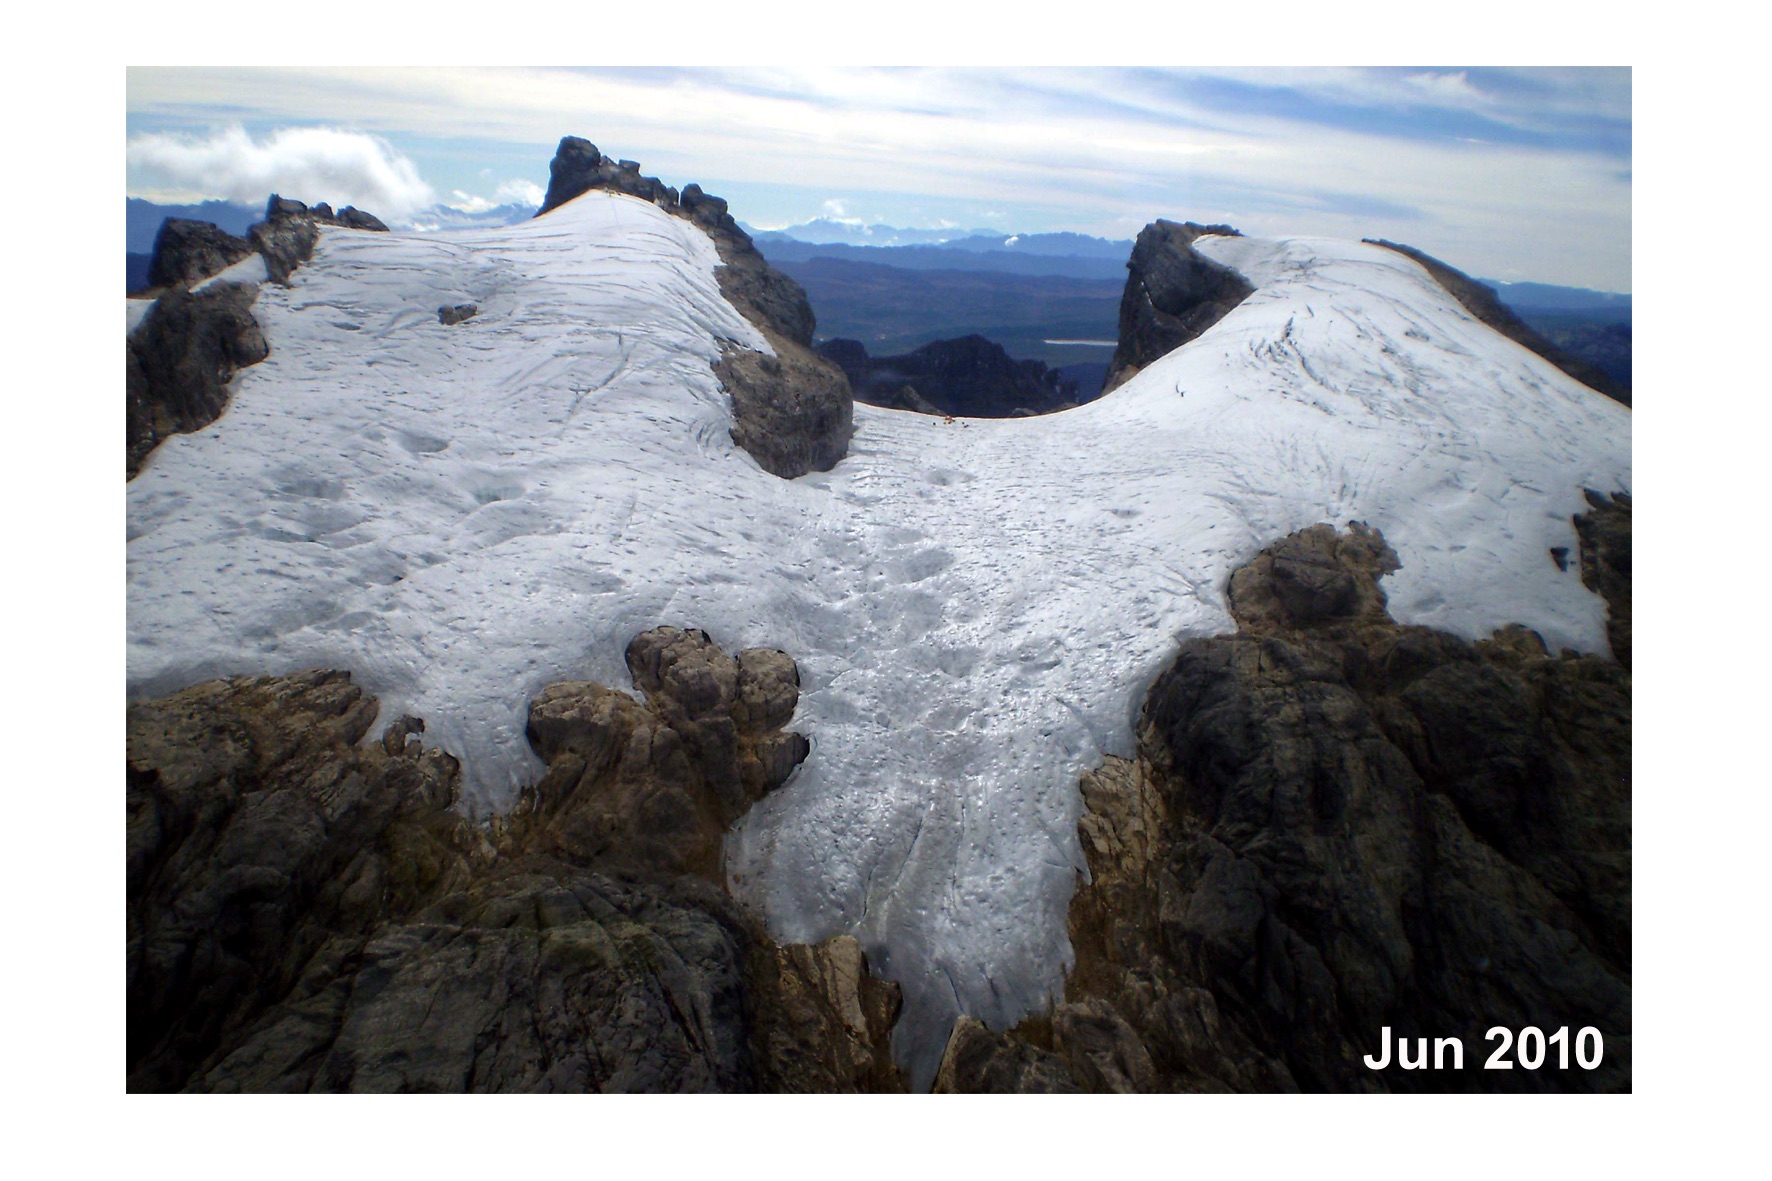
{"points": [[1482, 302], [793, 412], [1337, 823], [307, 913], [1173, 294]]}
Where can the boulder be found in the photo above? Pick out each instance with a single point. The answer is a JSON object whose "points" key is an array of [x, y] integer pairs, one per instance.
{"points": [[448, 315]]}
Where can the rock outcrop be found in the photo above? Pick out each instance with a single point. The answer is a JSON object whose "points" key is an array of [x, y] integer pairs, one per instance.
{"points": [[970, 377], [187, 251], [793, 412], [181, 358], [1337, 823], [190, 344], [1481, 301], [1173, 294], [308, 913], [1605, 563]]}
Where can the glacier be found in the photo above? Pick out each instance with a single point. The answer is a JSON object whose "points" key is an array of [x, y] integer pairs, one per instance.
{"points": [[461, 515]]}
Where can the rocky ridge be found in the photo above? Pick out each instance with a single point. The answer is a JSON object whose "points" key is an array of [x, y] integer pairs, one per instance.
{"points": [[1173, 294], [793, 412], [1481, 301], [1337, 823], [198, 334], [306, 912], [970, 377]]}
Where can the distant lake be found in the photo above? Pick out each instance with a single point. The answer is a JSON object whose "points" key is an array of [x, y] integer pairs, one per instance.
{"points": [[1100, 344]]}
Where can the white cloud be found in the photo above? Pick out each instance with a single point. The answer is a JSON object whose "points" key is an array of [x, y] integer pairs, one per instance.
{"points": [[307, 163], [519, 192]]}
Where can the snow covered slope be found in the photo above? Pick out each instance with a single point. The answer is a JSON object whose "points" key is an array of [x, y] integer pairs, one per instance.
{"points": [[460, 515]]}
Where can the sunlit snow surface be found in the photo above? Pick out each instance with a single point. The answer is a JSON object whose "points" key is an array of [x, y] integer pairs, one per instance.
{"points": [[460, 515]]}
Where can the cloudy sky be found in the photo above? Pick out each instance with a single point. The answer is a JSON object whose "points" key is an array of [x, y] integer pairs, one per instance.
{"points": [[1511, 174]]}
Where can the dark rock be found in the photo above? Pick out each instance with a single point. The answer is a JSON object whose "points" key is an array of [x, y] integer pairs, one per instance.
{"points": [[458, 313], [571, 173], [278, 208], [1173, 294], [978, 1061], [655, 786], [181, 358], [1605, 563], [1481, 301], [286, 241], [353, 218], [259, 833], [322, 212], [308, 913], [792, 412], [970, 377], [189, 251], [1337, 823]]}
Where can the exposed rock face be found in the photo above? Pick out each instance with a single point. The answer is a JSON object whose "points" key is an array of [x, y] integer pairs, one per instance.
{"points": [[657, 785], [307, 913], [190, 344], [1482, 302], [187, 251], [970, 377], [1337, 823], [1605, 563], [456, 314], [182, 357], [1172, 295], [353, 218], [259, 837], [793, 412]]}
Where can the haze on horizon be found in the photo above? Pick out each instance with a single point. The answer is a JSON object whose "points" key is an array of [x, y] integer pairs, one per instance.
{"points": [[1514, 174]]}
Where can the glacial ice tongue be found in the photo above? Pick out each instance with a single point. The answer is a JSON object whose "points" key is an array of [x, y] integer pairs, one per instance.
{"points": [[461, 514]]}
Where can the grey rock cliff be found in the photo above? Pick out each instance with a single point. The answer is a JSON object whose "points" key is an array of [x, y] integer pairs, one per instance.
{"points": [[1173, 294]]}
